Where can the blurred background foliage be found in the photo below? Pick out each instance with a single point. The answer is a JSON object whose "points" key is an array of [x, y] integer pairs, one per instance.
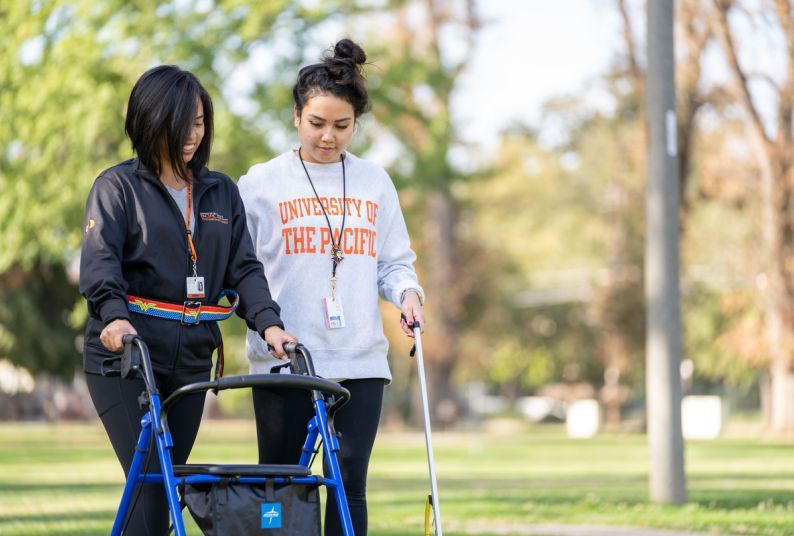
{"points": [[531, 255]]}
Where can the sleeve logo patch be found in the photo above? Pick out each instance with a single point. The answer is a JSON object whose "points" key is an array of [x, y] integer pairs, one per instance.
{"points": [[214, 216], [88, 226]]}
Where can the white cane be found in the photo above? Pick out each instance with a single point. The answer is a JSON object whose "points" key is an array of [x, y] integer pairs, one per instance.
{"points": [[420, 365]]}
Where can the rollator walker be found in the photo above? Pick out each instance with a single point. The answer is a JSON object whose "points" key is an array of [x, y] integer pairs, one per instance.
{"points": [[326, 397]]}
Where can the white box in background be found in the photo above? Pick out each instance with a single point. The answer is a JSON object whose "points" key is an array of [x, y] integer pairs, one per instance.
{"points": [[583, 418], [701, 417]]}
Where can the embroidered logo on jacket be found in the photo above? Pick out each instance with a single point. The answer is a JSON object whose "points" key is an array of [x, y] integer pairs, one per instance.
{"points": [[214, 216]]}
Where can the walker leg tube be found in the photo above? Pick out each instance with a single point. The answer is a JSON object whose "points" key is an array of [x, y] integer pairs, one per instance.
{"points": [[164, 446], [431, 465], [330, 450], [308, 445], [133, 477], [170, 483]]}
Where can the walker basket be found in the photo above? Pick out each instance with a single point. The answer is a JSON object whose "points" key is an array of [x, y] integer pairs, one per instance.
{"points": [[230, 507]]}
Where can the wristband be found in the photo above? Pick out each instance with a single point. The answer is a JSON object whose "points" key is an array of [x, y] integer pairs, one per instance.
{"points": [[418, 295]]}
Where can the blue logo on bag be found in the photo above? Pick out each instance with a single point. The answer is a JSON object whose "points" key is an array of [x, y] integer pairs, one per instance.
{"points": [[271, 515]]}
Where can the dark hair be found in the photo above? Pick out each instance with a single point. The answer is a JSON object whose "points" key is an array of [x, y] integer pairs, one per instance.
{"points": [[163, 105], [339, 75]]}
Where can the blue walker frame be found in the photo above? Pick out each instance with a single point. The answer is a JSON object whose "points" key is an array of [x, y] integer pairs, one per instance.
{"points": [[327, 397]]}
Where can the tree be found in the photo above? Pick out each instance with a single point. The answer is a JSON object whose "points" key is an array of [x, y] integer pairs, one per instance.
{"points": [[603, 161], [720, 183], [693, 35], [530, 223], [56, 134], [68, 66], [773, 145], [412, 86], [66, 70]]}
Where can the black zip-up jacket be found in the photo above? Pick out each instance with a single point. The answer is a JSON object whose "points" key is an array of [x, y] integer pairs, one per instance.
{"points": [[135, 243]]}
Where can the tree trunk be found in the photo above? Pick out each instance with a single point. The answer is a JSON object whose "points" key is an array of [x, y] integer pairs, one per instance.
{"points": [[613, 394], [778, 296], [444, 302], [781, 376], [765, 394], [781, 418], [776, 163]]}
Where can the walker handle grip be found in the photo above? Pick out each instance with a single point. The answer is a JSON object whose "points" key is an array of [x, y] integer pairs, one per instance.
{"points": [[131, 356], [300, 359], [136, 358]]}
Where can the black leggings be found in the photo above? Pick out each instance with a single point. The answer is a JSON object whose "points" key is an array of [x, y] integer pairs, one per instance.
{"points": [[281, 418], [116, 402]]}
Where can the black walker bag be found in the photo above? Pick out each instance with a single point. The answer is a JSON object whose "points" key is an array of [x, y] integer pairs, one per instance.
{"points": [[229, 507]]}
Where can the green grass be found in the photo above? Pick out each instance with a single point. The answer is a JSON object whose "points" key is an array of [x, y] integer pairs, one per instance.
{"points": [[64, 479]]}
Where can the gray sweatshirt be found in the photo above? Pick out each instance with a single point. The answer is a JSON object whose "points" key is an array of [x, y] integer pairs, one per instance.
{"points": [[292, 239]]}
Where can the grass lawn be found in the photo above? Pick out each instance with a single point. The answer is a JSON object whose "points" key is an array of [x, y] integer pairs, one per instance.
{"points": [[64, 479]]}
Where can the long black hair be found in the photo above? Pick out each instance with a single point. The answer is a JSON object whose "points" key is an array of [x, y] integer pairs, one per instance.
{"points": [[162, 106], [339, 74]]}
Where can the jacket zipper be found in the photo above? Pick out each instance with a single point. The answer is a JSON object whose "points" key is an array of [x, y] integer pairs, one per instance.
{"points": [[180, 218], [174, 206]]}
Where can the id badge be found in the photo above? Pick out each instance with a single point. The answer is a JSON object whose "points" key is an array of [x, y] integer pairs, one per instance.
{"points": [[195, 287], [334, 316]]}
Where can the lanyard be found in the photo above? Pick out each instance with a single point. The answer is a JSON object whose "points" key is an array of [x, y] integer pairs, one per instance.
{"points": [[336, 247], [193, 256]]}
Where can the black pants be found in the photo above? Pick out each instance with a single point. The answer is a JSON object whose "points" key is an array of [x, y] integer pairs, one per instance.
{"points": [[116, 402], [281, 418]]}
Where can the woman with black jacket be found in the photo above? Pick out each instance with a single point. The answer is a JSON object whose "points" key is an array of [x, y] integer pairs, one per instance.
{"points": [[162, 232]]}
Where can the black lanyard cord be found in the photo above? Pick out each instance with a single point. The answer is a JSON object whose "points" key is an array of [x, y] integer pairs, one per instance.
{"points": [[336, 250]]}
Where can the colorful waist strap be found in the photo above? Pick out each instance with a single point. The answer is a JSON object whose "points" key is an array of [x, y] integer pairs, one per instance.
{"points": [[189, 313]]}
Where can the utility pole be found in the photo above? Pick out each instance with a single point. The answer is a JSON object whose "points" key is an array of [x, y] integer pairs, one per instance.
{"points": [[663, 345]]}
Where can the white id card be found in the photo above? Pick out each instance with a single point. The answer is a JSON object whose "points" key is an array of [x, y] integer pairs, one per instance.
{"points": [[195, 287], [334, 316]]}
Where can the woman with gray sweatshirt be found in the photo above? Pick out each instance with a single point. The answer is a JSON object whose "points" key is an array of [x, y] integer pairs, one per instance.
{"points": [[329, 230]]}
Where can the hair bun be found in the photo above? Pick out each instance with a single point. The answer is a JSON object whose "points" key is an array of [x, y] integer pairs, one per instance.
{"points": [[339, 73], [348, 50]]}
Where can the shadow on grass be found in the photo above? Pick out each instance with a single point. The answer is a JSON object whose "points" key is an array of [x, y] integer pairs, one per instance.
{"points": [[741, 499], [100, 516], [77, 489], [744, 477], [618, 491], [92, 515]]}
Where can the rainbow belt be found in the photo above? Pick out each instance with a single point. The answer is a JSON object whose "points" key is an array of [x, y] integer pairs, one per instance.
{"points": [[188, 313]]}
